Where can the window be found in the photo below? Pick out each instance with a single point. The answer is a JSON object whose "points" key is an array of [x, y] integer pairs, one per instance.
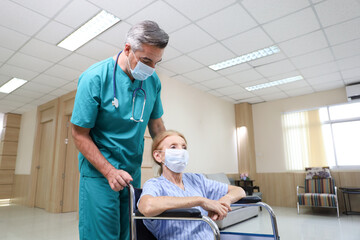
{"points": [[328, 136]]}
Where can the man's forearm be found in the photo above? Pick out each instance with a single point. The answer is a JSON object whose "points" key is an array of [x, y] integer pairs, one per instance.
{"points": [[91, 152], [156, 126]]}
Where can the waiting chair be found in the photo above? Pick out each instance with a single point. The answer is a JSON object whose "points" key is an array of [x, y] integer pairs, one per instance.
{"points": [[139, 231], [319, 190]]}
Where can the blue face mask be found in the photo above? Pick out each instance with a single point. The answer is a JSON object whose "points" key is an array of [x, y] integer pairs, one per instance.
{"points": [[141, 71], [176, 159]]}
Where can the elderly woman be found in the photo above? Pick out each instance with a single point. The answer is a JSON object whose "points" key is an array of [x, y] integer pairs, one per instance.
{"points": [[175, 189]]}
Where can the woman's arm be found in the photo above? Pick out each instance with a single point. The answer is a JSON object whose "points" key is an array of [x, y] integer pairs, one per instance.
{"points": [[234, 194], [152, 206]]}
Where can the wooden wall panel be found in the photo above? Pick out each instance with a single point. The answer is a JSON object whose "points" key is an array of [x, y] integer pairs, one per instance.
{"points": [[8, 148], [12, 120], [7, 162], [21, 189], [10, 134], [5, 191]]}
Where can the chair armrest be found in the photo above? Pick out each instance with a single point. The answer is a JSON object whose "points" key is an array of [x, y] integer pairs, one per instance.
{"points": [[177, 213], [297, 189], [249, 199]]}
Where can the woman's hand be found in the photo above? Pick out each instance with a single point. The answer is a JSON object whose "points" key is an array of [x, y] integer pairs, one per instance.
{"points": [[216, 209]]}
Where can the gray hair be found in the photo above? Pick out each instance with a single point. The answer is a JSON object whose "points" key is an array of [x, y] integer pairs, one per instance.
{"points": [[147, 32]]}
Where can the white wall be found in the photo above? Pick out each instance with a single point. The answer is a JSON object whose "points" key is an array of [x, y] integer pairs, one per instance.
{"points": [[26, 143], [268, 130], [207, 122]]}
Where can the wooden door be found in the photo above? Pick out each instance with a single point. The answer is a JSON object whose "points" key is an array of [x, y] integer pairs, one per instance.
{"points": [[71, 175], [44, 168]]}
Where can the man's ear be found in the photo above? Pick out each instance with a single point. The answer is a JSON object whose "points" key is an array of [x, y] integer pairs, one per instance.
{"points": [[157, 156], [127, 49]]}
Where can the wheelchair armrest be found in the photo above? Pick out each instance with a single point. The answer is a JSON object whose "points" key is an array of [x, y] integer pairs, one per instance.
{"points": [[249, 199], [177, 213]]}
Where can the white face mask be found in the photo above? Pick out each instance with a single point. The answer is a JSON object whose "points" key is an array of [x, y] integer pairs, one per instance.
{"points": [[141, 71], [176, 159]]}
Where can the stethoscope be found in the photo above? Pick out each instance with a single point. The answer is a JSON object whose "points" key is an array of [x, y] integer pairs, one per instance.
{"points": [[115, 102]]}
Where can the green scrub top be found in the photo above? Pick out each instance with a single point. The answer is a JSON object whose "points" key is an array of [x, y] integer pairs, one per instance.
{"points": [[119, 139]]}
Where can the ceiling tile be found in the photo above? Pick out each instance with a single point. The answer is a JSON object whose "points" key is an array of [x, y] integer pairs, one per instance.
{"points": [[351, 74], [319, 70], [50, 80], [11, 39], [200, 87], [116, 35], [324, 78], [6, 109], [217, 83], [183, 79], [5, 54], [283, 29], [13, 71], [181, 65], [44, 99], [253, 83], [313, 58], [127, 8], [299, 91], [20, 19], [202, 74], [212, 54], [215, 93], [162, 71], [190, 38], [196, 10], [54, 32], [10, 103], [252, 100], [348, 63], [293, 85], [349, 81], [348, 49], [268, 59], [264, 11], [170, 53], [18, 99], [26, 93], [328, 86], [333, 11], [284, 75], [63, 72], [304, 44], [44, 50], [37, 87], [275, 68], [45, 7], [242, 95], [228, 99], [240, 44], [267, 91], [222, 24], [77, 62], [161, 12], [233, 89], [70, 86], [343, 32], [59, 92], [245, 76], [25, 108], [98, 50], [274, 96], [234, 69], [31, 63], [77, 13]]}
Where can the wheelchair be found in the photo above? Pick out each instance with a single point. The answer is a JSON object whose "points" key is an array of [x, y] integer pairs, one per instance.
{"points": [[138, 230]]}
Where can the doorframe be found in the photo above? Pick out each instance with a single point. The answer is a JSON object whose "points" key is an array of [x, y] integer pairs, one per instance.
{"points": [[66, 105], [36, 149]]}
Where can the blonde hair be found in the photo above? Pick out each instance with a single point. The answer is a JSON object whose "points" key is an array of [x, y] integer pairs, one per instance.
{"points": [[158, 140]]}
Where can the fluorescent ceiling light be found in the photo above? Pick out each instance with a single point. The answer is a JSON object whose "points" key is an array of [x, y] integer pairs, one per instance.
{"points": [[246, 58], [12, 85], [98, 24], [274, 83]]}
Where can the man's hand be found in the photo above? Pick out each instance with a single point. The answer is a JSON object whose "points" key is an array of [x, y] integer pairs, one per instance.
{"points": [[118, 179], [216, 209]]}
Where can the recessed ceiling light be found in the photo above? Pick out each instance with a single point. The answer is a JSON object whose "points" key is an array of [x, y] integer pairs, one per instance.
{"points": [[12, 85], [98, 24], [245, 58], [274, 83]]}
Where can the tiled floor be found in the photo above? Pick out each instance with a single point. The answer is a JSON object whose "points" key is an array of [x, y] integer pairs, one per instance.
{"points": [[18, 222]]}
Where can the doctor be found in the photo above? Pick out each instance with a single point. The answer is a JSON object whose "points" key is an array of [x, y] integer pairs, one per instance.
{"points": [[116, 99]]}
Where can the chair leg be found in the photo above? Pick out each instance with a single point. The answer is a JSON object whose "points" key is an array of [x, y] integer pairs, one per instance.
{"points": [[337, 208], [298, 209]]}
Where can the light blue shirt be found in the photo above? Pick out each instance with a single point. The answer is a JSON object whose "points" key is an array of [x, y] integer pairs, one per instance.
{"points": [[120, 140], [195, 185]]}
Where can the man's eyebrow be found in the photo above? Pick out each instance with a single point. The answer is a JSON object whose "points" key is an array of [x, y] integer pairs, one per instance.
{"points": [[150, 60]]}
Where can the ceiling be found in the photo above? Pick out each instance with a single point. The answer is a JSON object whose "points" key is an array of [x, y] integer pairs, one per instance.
{"points": [[319, 40]]}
